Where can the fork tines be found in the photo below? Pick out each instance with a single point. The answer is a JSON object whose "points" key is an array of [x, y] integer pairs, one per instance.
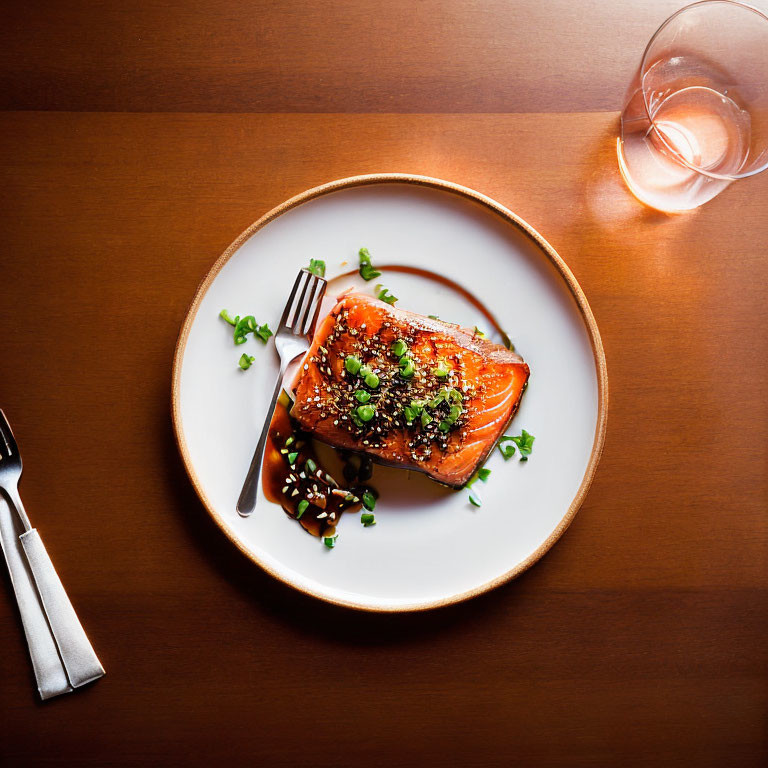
{"points": [[7, 441], [300, 314]]}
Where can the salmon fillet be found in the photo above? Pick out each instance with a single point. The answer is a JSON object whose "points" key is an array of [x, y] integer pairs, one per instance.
{"points": [[407, 390]]}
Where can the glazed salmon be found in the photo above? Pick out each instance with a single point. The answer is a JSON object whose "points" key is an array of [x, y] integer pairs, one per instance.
{"points": [[407, 390]]}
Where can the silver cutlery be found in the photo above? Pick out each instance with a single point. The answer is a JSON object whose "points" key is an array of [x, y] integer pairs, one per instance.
{"points": [[62, 656], [290, 341]]}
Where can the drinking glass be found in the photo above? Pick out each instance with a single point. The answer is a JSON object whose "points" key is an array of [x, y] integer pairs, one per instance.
{"points": [[696, 117]]}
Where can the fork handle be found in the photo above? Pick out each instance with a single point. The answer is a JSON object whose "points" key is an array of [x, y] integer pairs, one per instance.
{"points": [[247, 501], [77, 654]]}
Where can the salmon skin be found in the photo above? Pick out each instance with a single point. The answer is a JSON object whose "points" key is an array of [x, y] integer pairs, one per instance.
{"points": [[407, 390]]}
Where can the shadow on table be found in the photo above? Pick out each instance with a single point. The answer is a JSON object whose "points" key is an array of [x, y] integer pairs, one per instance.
{"points": [[308, 613]]}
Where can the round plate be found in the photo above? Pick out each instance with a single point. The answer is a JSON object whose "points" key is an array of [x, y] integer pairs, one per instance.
{"points": [[430, 547]]}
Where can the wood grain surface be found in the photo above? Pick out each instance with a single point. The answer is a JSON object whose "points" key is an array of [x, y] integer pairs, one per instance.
{"points": [[639, 640]]}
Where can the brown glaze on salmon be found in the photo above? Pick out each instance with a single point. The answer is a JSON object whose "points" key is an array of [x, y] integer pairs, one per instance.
{"points": [[408, 390]]}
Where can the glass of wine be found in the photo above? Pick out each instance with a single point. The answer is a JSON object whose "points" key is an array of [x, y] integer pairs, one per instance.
{"points": [[696, 117]]}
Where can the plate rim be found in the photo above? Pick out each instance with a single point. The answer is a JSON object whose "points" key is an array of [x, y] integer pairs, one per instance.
{"points": [[512, 218]]}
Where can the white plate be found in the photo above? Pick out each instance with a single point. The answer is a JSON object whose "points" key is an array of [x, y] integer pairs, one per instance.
{"points": [[430, 547]]}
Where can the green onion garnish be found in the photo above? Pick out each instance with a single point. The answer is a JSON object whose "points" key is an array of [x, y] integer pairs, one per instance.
{"points": [[352, 364], [442, 370], [385, 296], [362, 396], [433, 317], [483, 473], [225, 315], [367, 272], [263, 332], [480, 334], [310, 466], [524, 443], [289, 441], [454, 413], [292, 457], [507, 446], [371, 380], [425, 418], [245, 361], [407, 368], [302, 508], [365, 412], [367, 519], [369, 501], [399, 348], [437, 399], [455, 396], [445, 426], [317, 267], [474, 499], [364, 370], [330, 541]]}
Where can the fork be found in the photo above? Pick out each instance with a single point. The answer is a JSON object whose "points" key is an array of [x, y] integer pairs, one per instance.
{"points": [[54, 634], [291, 340]]}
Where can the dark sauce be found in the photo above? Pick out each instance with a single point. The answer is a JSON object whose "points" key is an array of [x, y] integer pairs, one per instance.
{"points": [[287, 484]]}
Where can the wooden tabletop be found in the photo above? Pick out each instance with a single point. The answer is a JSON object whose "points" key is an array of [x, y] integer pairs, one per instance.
{"points": [[138, 138]]}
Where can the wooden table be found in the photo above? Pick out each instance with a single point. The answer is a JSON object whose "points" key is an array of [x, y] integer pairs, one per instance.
{"points": [[138, 139]]}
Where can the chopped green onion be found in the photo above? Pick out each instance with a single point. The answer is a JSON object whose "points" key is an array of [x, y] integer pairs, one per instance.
{"points": [[367, 519], [480, 334], [367, 272], [289, 441], [442, 370], [455, 396], [425, 418], [246, 325], [371, 380], [352, 364], [385, 296], [302, 508], [245, 361], [292, 457], [225, 315], [362, 396], [369, 501], [399, 348], [483, 473], [407, 368], [445, 426], [524, 442], [474, 499], [330, 541], [310, 466], [317, 267], [365, 412], [433, 317], [364, 370], [413, 411], [356, 420], [263, 332], [437, 399], [454, 413], [507, 447]]}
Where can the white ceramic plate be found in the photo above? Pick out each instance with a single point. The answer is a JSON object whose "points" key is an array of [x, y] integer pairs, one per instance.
{"points": [[429, 547]]}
